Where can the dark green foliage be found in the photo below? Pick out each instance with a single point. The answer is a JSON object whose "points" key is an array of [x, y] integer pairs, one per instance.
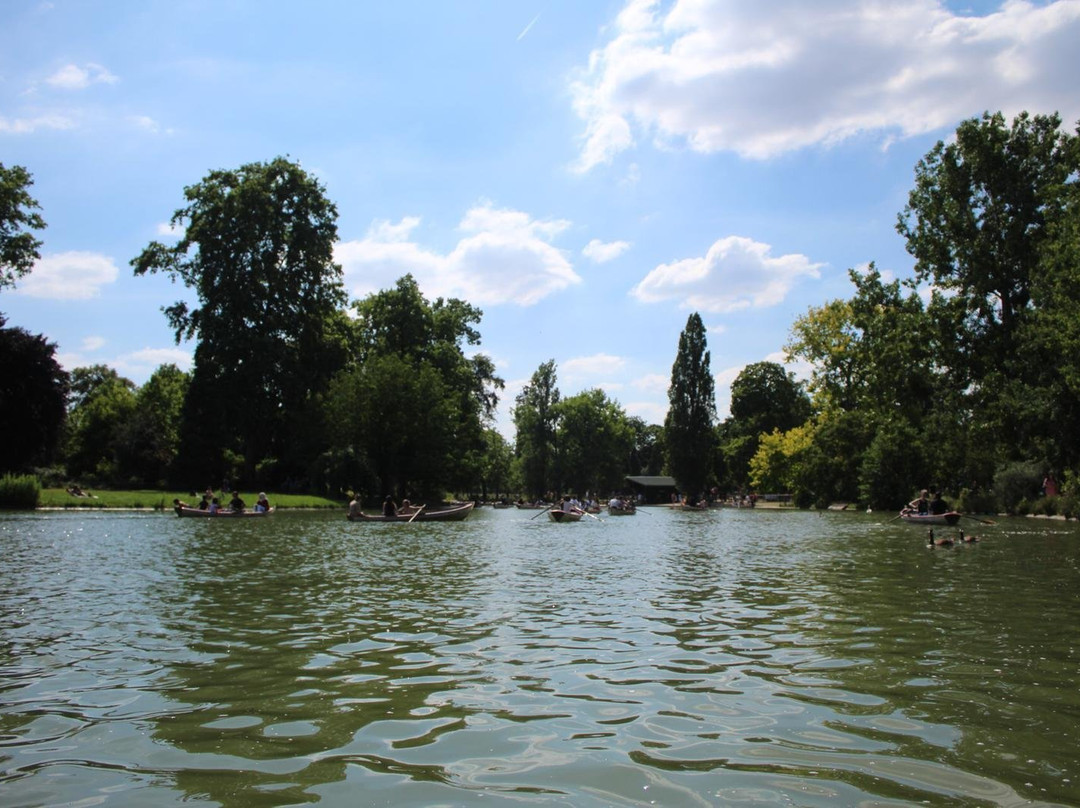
{"points": [[18, 247], [33, 389], [102, 407], [688, 427], [19, 492], [892, 466], [594, 443], [257, 250], [535, 416]]}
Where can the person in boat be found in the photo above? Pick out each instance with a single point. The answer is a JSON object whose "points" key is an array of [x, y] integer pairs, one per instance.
{"points": [[214, 505], [262, 504], [355, 507], [204, 503], [389, 507], [406, 508], [938, 506], [921, 505], [179, 503], [236, 505]]}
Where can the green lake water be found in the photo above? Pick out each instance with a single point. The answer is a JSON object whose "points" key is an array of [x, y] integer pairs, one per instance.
{"points": [[671, 659]]}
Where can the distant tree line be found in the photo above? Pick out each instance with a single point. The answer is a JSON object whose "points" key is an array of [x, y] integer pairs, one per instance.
{"points": [[964, 377]]}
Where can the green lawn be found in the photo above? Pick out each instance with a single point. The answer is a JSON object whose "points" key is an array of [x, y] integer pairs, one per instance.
{"points": [[160, 500]]}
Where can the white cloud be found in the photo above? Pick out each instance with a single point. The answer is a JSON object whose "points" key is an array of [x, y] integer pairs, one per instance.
{"points": [[91, 344], [71, 275], [24, 126], [761, 79], [73, 77], [736, 273], [169, 230], [590, 367], [504, 256], [602, 252], [144, 362], [654, 383]]}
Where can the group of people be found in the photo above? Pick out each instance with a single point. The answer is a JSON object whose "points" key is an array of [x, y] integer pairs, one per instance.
{"points": [[210, 502], [390, 509], [928, 502]]}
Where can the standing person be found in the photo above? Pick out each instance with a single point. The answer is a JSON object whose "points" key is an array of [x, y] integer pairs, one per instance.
{"points": [[1050, 486]]}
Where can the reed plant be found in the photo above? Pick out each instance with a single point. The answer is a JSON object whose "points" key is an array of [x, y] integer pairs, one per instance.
{"points": [[19, 492]]}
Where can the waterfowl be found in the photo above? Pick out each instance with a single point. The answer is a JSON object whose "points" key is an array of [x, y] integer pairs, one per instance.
{"points": [[932, 542], [967, 539]]}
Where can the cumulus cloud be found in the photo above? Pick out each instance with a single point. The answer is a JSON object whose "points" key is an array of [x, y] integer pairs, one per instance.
{"points": [[503, 256], [591, 367], [146, 361], [73, 77], [73, 275], [601, 252], [760, 79], [736, 273]]}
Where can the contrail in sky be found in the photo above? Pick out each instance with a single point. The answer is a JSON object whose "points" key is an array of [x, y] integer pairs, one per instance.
{"points": [[527, 27]]}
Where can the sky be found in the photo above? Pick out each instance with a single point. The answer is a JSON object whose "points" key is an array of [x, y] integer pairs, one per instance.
{"points": [[588, 174]]}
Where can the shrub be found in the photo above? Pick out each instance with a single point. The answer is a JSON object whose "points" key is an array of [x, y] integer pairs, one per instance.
{"points": [[1018, 483], [19, 492]]}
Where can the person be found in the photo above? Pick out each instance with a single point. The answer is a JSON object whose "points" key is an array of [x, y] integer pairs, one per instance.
{"points": [[236, 505], [1050, 486], [215, 506], [262, 504], [355, 508], [204, 503], [937, 505], [389, 508], [179, 503], [406, 508], [921, 505]]}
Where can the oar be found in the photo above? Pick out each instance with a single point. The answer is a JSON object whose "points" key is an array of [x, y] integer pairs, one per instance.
{"points": [[416, 513], [976, 519], [591, 516], [548, 508]]}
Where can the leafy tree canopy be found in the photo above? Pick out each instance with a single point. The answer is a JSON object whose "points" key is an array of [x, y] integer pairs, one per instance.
{"points": [[33, 392], [688, 427], [18, 216]]}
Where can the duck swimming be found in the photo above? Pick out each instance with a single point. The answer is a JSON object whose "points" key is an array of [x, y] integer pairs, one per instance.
{"points": [[932, 542]]}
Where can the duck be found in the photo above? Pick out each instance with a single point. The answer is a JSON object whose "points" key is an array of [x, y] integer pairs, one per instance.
{"points": [[932, 542]]}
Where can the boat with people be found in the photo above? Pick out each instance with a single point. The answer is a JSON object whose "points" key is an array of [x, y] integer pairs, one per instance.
{"points": [[621, 508], [559, 515], [913, 517], [456, 513], [221, 513]]}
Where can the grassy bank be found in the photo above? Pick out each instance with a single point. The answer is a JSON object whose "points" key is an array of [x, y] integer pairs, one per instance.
{"points": [[161, 500]]}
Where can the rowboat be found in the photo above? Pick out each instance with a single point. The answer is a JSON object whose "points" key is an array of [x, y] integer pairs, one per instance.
{"points": [[455, 514], [621, 510], [913, 518], [223, 513], [556, 515]]}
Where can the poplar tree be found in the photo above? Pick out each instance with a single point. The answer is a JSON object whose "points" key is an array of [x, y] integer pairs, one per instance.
{"points": [[688, 427]]}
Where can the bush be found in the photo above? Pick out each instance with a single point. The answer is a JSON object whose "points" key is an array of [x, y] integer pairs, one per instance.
{"points": [[1018, 483], [19, 492], [980, 501]]}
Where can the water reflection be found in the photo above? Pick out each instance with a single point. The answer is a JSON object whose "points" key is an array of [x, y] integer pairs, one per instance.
{"points": [[668, 658]]}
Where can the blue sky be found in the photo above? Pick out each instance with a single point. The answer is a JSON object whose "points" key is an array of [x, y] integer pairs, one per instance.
{"points": [[586, 173]]}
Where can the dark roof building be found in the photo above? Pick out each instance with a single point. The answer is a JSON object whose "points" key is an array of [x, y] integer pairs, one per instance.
{"points": [[653, 489]]}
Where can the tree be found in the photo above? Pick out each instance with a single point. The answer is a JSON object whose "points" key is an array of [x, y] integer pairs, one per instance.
{"points": [[425, 341], [535, 415], [257, 249], [594, 441], [647, 455], [688, 427], [102, 404], [148, 443], [18, 215], [33, 393]]}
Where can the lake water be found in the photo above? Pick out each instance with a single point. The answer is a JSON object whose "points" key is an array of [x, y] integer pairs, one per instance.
{"points": [[671, 659]]}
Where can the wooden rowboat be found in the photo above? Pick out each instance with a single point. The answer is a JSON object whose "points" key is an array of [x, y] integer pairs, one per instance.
{"points": [[455, 514], [621, 510], [555, 515], [912, 518], [224, 513]]}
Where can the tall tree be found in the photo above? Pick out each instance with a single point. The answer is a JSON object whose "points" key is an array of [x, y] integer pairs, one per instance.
{"points": [[33, 393], [535, 415], [150, 439], [18, 216], [688, 427], [257, 249], [594, 442], [421, 405], [102, 405]]}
